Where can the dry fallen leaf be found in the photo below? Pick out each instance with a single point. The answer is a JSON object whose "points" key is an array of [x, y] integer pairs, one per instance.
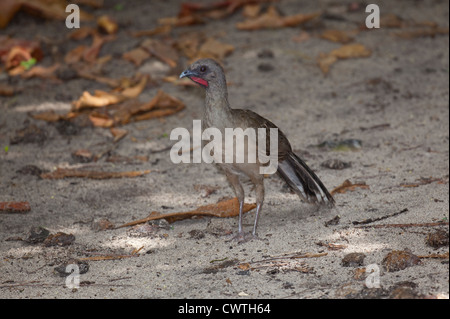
{"points": [[337, 36], [348, 186], [161, 50], [325, 61], [82, 33], [100, 119], [271, 19], [6, 90], [107, 24], [223, 209], [161, 105], [90, 54], [42, 72], [354, 50], [118, 133], [214, 49], [251, 10], [102, 98], [60, 173], [14, 51], [424, 32], [163, 29], [14, 207], [136, 56], [54, 9]]}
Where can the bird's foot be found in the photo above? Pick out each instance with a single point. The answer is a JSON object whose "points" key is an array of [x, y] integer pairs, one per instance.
{"points": [[242, 237]]}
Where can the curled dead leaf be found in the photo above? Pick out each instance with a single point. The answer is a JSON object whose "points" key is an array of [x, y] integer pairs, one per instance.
{"points": [[354, 50], [348, 186], [271, 19], [107, 24], [60, 173], [223, 209], [337, 36]]}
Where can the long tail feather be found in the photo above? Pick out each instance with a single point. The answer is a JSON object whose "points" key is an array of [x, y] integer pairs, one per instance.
{"points": [[303, 180]]}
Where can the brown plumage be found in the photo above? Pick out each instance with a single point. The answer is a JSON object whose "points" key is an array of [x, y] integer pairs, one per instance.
{"points": [[218, 113]]}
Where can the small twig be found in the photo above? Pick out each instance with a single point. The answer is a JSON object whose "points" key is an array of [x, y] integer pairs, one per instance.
{"points": [[107, 257], [442, 256], [307, 255], [405, 225], [370, 220]]}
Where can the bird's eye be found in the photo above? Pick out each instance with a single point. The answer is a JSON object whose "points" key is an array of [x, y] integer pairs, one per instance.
{"points": [[203, 69]]}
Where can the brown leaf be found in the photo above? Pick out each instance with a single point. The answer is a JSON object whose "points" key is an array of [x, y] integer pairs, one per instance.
{"points": [[251, 10], [325, 61], [180, 22], [118, 133], [15, 207], [354, 50], [100, 119], [82, 33], [6, 90], [426, 32], [348, 186], [8, 9], [214, 49], [54, 9], [161, 50], [271, 19], [161, 105], [189, 43], [107, 24], [86, 73], [75, 55], [60, 173], [163, 29], [102, 98], [223, 209], [136, 56], [48, 116], [90, 54], [99, 99], [42, 72], [337, 36], [13, 51]]}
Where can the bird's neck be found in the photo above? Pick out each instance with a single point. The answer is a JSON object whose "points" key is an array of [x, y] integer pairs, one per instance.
{"points": [[217, 108]]}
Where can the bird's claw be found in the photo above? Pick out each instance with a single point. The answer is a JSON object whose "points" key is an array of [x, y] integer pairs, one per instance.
{"points": [[242, 237]]}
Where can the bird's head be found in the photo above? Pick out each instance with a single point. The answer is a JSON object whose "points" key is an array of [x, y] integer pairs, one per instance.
{"points": [[206, 72]]}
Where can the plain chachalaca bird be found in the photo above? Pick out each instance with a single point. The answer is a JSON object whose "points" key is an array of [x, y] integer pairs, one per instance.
{"points": [[218, 114]]}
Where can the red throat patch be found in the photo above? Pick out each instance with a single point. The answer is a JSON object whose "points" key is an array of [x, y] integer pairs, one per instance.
{"points": [[199, 81]]}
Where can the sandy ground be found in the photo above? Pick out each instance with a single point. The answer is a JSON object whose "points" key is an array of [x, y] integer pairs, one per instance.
{"points": [[395, 102]]}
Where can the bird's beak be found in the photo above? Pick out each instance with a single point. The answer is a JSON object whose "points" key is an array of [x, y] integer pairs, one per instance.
{"points": [[194, 77], [187, 73]]}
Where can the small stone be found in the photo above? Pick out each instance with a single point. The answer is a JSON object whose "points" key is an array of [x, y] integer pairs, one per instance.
{"points": [[353, 260], [59, 239], [37, 235], [398, 260], [196, 234], [437, 239], [265, 67], [335, 164]]}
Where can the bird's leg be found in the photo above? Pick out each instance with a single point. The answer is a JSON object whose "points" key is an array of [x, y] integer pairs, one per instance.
{"points": [[259, 202], [239, 192]]}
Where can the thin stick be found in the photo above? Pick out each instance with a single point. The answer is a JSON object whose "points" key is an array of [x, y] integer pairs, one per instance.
{"points": [[405, 225]]}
